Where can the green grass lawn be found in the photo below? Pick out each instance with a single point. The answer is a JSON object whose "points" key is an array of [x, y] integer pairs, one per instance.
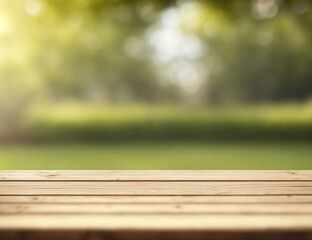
{"points": [[158, 156]]}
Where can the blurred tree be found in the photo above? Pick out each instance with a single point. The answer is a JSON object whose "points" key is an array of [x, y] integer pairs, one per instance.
{"points": [[98, 47], [258, 50], [97, 50]]}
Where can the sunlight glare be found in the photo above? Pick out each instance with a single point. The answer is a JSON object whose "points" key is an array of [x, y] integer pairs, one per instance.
{"points": [[33, 7], [3, 24]]}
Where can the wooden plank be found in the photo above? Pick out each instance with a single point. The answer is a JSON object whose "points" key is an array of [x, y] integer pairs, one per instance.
{"points": [[162, 222], [169, 175], [264, 199], [155, 188], [174, 201], [285, 209]]}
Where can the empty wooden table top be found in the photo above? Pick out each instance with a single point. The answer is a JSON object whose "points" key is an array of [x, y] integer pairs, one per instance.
{"points": [[155, 204]]}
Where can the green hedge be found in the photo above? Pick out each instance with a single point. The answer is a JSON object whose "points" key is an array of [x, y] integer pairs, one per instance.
{"points": [[99, 122]]}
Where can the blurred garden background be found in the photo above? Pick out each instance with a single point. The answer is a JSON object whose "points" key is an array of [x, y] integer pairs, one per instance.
{"points": [[155, 84]]}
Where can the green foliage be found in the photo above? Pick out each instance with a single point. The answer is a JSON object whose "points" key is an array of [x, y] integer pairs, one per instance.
{"points": [[158, 123], [77, 49], [252, 57], [100, 50], [55, 49]]}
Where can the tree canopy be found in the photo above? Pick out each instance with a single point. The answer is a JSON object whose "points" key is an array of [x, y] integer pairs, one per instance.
{"points": [[205, 52]]}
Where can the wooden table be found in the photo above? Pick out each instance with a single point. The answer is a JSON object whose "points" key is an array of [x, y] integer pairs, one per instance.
{"points": [[95, 205]]}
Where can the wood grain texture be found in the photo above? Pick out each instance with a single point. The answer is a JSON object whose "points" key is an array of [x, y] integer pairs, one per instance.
{"points": [[98, 205], [155, 188], [119, 208], [250, 199], [138, 222]]}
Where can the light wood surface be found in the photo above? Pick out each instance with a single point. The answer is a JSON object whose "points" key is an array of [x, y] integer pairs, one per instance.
{"points": [[155, 204], [155, 188], [277, 199]]}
